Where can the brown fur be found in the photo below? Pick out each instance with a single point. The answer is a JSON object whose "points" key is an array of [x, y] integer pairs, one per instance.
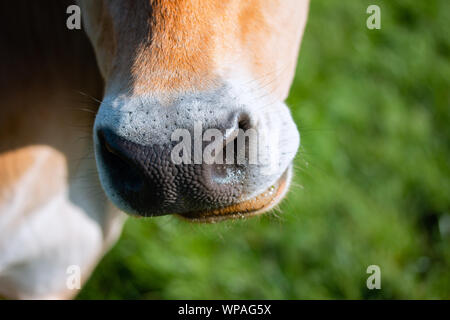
{"points": [[173, 46]]}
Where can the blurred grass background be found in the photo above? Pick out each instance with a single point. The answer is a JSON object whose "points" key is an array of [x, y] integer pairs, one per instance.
{"points": [[371, 186]]}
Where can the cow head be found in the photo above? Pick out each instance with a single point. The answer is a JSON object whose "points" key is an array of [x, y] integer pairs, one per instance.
{"points": [[185, 79]]}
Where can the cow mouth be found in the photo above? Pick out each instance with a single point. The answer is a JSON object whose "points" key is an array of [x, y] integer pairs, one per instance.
{"points": [[248, 208]]}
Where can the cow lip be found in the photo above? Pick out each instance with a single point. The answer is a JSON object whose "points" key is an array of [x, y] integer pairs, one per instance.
{"points": [[248, 208]]}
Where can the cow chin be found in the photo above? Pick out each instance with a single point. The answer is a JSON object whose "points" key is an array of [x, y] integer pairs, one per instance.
{"points": [[254, 206]]}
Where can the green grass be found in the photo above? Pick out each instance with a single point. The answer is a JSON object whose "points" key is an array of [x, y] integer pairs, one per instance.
{"points": [[371, 186]]}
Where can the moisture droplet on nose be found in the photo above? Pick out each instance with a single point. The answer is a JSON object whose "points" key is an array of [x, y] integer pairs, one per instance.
{"points": [[227, 174]]}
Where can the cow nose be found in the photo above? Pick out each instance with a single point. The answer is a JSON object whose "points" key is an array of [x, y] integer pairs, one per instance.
{"points": [[145, 180]]}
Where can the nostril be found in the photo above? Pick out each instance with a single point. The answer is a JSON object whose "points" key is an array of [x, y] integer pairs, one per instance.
{"points": [[110, 146], [114, 145], [244, 122], [239, 122], [239, 142], [120, 160], [110, 149]]}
